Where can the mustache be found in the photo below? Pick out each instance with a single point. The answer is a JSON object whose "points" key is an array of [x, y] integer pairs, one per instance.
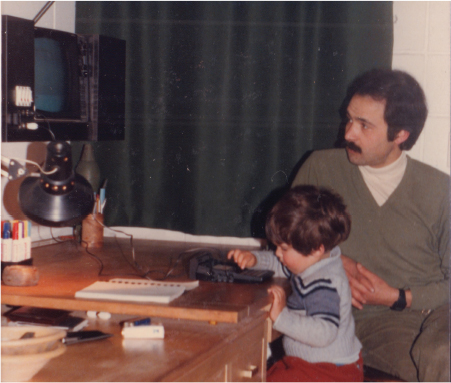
{"points": [[353, 147]]}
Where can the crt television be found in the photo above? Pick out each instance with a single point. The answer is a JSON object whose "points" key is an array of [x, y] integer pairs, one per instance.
{"points": [[61, 85]]}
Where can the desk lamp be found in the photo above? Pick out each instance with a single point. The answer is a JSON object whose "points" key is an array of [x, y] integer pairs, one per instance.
{"points": [[58, 196]]}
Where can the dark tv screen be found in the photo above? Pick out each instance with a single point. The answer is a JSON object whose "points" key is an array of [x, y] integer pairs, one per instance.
{"points": [[57, 93], [60, 85]]}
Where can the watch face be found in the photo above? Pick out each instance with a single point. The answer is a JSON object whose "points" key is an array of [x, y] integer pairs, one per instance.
{"points": [[401, 303]]}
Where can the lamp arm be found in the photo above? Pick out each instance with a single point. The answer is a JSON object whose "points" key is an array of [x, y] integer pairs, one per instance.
{"points": [[5, 161], [16, 170]]}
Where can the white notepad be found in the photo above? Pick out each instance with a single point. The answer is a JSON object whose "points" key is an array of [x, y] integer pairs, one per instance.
{"points": [[136, 290]]}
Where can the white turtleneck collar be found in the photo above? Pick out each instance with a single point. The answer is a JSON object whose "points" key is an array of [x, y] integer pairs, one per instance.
{"points": [[383, 181]]}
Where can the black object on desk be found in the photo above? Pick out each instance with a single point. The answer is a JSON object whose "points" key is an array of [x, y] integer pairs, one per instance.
{"points": [[209, 267], [37, 315], [84, 336]]}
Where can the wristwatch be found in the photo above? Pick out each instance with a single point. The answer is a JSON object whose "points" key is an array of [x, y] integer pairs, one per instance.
{"points": [[401, 303]]}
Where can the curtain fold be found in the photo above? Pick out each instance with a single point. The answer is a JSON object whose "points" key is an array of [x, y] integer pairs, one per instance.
{"points": [[223, 100]]}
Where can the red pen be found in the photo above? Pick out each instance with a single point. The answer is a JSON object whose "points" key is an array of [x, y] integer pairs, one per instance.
{"points": [[16, 243]]}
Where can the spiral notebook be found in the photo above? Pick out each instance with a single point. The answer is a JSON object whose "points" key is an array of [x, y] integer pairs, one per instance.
{"points": [[136, 290]]}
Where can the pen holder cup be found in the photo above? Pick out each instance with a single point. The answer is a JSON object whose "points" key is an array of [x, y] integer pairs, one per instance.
{"points": [[92, 230]]}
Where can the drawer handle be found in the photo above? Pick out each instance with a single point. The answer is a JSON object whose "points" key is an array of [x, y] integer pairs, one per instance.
{"points": [[251, 372]]}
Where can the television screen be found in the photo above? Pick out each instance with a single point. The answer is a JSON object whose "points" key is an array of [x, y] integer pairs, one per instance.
{"points": [[57, 84], [60, 85], [51, 75]]}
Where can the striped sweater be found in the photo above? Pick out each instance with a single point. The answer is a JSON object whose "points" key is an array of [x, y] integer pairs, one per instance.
{"points": [[317, 321]]}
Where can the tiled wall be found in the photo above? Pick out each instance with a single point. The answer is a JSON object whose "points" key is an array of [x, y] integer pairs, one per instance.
{"points": [[422, 48]]}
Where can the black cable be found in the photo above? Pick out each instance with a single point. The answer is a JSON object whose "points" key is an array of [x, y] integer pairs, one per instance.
{"points": [[142, 273], [133, 264], [48, 126], [95, 257]]}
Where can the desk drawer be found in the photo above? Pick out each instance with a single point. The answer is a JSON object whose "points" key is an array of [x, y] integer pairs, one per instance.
{"points": [[240, 357], [249, 362]]}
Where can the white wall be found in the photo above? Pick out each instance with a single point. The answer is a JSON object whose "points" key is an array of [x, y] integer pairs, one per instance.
{"points": [[422, 48], [61, 15]]}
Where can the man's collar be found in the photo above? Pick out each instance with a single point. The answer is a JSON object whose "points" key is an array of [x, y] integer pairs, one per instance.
{"points": [[399, 163]]}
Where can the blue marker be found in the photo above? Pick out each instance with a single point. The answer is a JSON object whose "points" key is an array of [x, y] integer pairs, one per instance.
{"points": [[7, 243]]}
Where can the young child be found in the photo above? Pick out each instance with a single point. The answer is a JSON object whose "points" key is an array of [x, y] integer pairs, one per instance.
{"points": [[306, 225]]}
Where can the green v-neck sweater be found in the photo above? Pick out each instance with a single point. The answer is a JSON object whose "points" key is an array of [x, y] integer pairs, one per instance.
{"points": [[406, 240]]}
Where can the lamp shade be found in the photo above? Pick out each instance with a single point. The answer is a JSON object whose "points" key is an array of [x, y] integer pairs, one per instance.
{"points": [[59, 197]]}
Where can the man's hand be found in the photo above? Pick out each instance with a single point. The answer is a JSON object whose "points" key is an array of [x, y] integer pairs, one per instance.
{"points": [[368, 288], [279, 302], [383, 293], [242, 258], [360, 285]]}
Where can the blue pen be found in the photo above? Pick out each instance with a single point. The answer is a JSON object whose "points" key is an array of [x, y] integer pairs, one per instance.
{"points": [[102, 196]]}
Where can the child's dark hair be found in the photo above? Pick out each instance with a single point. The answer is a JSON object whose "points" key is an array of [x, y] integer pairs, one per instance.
{"points": [[307, 217]]}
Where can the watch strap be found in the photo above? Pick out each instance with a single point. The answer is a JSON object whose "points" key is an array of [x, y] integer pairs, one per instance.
{"points": [[401, 303]]}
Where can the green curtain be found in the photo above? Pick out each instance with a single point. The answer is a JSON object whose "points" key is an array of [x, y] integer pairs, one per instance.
{"points": [[223, 99]]}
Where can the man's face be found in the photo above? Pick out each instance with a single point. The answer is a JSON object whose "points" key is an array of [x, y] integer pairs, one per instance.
{"points": [[366, 134]]}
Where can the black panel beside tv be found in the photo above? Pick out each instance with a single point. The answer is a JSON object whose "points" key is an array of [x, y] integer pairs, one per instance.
{"points": [[69, 83]]}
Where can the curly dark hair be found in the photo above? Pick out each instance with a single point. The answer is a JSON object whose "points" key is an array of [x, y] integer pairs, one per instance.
{"points": [[307, 217], [405, 102]]}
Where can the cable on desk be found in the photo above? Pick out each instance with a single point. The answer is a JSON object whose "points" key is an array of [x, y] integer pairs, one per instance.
{"points": [[191, 252], [135, 265], [145, 273], [94, 256], [141, 271]]}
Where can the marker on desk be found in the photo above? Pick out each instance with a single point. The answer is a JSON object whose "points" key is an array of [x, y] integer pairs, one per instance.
{"points": [[146, 331], [15, 257], [6, 242], [136, 322], [21, 241], [27, 239]]}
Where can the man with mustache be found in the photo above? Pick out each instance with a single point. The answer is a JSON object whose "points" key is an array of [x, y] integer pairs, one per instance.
{"points": [[397, 255]]}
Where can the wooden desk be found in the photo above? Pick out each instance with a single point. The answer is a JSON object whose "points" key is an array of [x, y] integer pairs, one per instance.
{"points": [[192, 351], [216, 332], [66, 268]]}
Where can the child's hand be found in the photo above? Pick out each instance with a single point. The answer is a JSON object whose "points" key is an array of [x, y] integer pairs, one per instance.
{"points": [[242, 258], [280, 301]]}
